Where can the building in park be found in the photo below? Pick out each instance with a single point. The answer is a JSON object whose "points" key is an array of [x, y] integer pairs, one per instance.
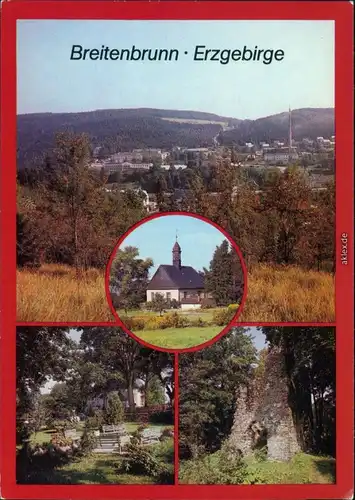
{"points": [[175, 281], [99, 402]]}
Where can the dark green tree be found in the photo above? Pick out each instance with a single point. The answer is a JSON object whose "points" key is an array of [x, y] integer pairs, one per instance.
{"points": [[220, 276], [42, 353], [159, 303], [59, 403], [116, 353], [129, 278], [208, 382], [154, 392], [114, 411]]}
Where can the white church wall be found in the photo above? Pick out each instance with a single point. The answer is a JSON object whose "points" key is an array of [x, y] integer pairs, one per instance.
{"points": [[191, 292], [174, 294]]}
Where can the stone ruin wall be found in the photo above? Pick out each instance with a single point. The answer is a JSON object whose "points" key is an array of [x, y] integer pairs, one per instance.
{"points": [[266, 408]]}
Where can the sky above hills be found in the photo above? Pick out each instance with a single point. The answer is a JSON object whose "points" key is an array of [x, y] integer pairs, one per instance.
{"points": [[48, 81], [155, 239]]}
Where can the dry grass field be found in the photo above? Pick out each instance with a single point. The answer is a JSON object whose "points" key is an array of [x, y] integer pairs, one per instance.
{"points": [[53, 293], [289, 294], [275, 294]]}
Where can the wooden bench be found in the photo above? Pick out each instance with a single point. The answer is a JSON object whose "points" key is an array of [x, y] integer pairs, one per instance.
{"points": [[71, 434], [150, 436], [114, 429]]}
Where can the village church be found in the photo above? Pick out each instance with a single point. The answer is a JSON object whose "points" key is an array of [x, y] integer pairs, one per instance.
{"points": [[175, 281]]}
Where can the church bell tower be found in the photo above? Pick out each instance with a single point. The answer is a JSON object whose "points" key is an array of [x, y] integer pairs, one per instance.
{"points": [[177, 255]]}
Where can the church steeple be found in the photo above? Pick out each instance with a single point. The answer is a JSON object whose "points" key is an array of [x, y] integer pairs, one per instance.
{"points": [[176, 254]]}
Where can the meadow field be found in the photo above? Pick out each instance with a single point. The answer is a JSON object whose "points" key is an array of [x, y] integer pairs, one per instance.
{"points": [[274, 294], [195, 121], [55, 293]]}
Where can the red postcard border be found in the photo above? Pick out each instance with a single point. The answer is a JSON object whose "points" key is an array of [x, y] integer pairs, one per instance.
{"points": [[342, 13]]}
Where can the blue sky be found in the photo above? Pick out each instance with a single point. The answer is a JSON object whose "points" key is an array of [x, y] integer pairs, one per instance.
{"points": [[155, 239], [48, 81]]}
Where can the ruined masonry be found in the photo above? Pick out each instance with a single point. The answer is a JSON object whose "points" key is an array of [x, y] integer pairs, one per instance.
{"points": [[263, 415]]}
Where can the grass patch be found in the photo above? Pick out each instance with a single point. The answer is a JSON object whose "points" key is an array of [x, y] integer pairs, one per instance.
{"points": [[96, 469], [302, 469], [42, 437], [179, 338]]}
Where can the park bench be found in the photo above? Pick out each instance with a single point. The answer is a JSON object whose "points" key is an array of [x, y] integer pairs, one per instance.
{"points": [[71, 434], [113, 429], [115, 436], [150, 436]]}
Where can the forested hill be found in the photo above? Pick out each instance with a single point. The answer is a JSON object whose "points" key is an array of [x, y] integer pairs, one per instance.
{"points": [[306, 122], [125, 129]]}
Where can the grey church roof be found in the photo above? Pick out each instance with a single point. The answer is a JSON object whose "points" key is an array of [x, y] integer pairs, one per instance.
{"points": [[173, 277]]}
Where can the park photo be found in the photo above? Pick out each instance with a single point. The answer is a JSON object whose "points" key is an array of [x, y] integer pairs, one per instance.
{"points": [[94, 158], [92, 407], [258, 407], [176, 281]]}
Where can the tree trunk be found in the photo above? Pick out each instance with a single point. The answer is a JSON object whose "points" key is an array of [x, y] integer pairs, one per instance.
{"points": [[130, 393]]}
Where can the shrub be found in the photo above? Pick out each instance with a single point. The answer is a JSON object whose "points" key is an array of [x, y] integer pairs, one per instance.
{"points": [[154, 322], [141, 461], [62, 425], [198, 322], [59, 440], [159, 303], [134, 324], [172, 320], [174, 304], [114, 412], [167, 433], [95, 419], [166, 476], [88, 442], [233, 307], [223, 316], [222, 467], [162, 417], [136, 438]]}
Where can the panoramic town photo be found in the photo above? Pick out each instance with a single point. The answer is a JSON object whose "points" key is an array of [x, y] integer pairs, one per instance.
{"points": [[247, 143], [93, 406], [176, 281], [258, 407]]}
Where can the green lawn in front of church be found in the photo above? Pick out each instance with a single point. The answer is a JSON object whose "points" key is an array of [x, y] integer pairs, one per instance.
{"points": [[179, 338]]}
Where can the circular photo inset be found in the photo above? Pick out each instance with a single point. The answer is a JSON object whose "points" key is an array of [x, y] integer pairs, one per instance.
{"points": [[176, 281]]}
